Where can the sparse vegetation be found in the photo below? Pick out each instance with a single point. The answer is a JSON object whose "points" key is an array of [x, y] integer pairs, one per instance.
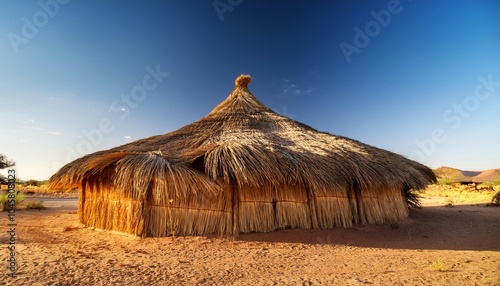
{"points": [[449, 203], [495, 201], [35, 183], [445, 181], [35, 205], [459, 194], [438, 265], [4, 200]]}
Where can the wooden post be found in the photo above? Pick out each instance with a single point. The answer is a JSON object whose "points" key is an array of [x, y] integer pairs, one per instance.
{"points": [[81, 201], [236, 208]]}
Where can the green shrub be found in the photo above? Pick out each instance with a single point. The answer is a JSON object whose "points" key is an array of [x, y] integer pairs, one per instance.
{"points": [[4, 200]]}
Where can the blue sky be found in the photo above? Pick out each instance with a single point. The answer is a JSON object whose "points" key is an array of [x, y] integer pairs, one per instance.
{"points": [[419, 78]]}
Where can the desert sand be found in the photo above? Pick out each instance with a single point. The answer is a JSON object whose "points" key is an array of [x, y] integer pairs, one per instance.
{"points": [[54, 249]]}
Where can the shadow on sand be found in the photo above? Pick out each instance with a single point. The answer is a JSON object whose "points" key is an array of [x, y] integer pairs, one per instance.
{"points": [[463, 227]]}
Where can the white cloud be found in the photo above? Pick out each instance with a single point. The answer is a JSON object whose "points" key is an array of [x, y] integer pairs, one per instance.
{"points": [[28, 121], [54, 132], [128, 137]]}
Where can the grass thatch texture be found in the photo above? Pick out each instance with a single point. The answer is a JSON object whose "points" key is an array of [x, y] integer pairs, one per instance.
{"points": [[139, 173], [293, 215], [292, 207], [103, 206], [190, 215], [333, 212], [124, 215], [385, 206], [268, 208], [256, 217], [256, 208], [165, 221]]}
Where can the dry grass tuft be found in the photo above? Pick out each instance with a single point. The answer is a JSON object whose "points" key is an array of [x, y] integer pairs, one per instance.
{"points": [[438, 265]]}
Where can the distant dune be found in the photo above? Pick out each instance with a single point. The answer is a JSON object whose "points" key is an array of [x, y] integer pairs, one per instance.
{"points": [[457, 175], [488, 176]]}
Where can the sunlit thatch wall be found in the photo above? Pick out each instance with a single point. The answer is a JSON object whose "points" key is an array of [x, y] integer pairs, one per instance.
{"points": [[242, 168]]}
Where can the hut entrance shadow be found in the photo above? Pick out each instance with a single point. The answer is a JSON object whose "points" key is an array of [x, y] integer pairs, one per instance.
{"points": [[464, 227]]}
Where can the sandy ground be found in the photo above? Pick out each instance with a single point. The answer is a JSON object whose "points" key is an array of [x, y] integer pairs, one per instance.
{"points": [[54, 249]]}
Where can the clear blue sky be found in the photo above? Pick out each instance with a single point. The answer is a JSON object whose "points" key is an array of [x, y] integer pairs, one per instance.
{"points": [[415, 84]]}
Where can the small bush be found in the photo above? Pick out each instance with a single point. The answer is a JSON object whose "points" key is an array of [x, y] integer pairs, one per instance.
{"points": [[438, 265], [449, 203], [495, 201], [34, 183], [4, 200], [35, 206]]}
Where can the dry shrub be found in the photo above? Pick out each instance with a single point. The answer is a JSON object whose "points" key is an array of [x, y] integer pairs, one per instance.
{"points": [[35, 205], [495, 201]]}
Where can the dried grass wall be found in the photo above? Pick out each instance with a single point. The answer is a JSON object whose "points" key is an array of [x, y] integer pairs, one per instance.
{"points": [[191, 215], [102, 206], [381, 206], [267, 208], [334, 208], [261, 209]]}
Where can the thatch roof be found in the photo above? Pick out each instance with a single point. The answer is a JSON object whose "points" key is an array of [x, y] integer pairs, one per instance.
{"points": [[243, 140]]}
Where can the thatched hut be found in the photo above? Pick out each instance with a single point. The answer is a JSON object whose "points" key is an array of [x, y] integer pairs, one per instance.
{"points": [[242, 168]]}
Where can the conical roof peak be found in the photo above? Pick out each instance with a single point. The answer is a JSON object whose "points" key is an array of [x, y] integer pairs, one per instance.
{"points": [[242, 81]]}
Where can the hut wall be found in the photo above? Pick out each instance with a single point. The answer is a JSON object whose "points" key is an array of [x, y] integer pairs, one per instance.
{"points": [[102, 206], [267, 208], [256, 208], [193, 214], [383, 206], [292, 207], [259, 209], [334, 208]]}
